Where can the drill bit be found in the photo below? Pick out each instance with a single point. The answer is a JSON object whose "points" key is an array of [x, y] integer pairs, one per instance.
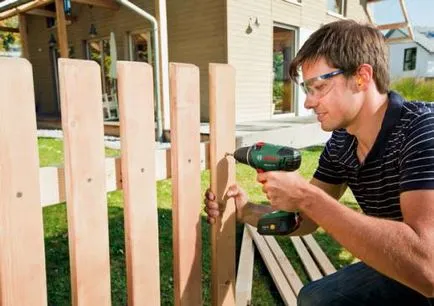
{"points": [[228, 154]]}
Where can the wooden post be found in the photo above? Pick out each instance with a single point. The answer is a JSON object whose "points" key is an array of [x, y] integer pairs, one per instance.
{"points": [[62, 35], [22, 259], [136, 108], [222, 126], [186, 192], [23, 36], [161, 14], [82, 123]]}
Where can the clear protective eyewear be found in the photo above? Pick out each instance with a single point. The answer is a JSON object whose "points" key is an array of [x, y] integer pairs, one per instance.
{"points": [[319, 86]]}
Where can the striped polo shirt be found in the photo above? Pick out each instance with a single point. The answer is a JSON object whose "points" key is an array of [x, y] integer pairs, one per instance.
{"points": [[401, 159]]}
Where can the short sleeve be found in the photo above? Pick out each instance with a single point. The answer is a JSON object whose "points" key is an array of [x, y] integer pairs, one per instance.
{"points": [[417, 155], [329, 170]]}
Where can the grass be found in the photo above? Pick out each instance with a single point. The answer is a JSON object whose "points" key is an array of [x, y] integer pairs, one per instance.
{"points": [[415, 89], [51, 151], [264, 292]]}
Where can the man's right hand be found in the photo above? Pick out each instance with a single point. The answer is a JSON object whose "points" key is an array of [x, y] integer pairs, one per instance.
{"points": [[212, 207]]}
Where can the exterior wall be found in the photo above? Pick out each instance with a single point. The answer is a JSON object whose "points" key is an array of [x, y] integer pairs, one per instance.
{"points": [[197, 35], [424, 61], [251, 54], [120, 22]]}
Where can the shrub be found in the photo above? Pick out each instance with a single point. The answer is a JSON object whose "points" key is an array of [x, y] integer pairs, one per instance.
{"points": [[415, 89]]}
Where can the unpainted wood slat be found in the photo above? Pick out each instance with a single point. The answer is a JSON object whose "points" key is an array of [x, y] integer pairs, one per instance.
{"points": [[308, 263], [322, 259], [222, 140], [186, 192], [136, 109], [245, 271], [285, 290], [82, 122], [22, 258], [287, 269]]}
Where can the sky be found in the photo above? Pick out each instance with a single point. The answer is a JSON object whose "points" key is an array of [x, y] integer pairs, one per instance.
{"points": [[421, 12]]}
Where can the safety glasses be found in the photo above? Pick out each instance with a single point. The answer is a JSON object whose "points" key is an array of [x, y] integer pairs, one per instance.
{"points": [[319, 86]]}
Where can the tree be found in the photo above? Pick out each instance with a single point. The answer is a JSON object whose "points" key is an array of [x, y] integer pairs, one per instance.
{"points": [[6, 38]]}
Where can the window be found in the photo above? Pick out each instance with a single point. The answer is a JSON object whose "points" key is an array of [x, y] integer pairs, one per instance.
{"points": [[336, 6], [99, 50], [140, 47], [410, 59]]}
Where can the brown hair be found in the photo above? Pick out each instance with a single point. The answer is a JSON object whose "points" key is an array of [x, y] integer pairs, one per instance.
{"points": [[347, 44]]}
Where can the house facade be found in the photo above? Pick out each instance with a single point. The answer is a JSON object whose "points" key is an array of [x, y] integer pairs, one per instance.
{"points": [[412, 58], [259, 38]]}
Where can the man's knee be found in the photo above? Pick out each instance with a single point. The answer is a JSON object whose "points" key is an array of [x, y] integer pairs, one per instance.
{"points": [[312, 294]]}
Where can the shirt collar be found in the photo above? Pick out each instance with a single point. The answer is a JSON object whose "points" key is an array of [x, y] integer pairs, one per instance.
{"points": [[391, 118]]}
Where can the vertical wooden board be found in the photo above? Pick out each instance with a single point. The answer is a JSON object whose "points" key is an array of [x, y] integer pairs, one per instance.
{"points": [[245, 270], [22, 258], [222, 140], [185, 160], [136, 103], [82, 122]]}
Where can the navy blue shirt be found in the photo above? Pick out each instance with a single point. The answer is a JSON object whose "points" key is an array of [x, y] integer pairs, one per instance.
{"points": [[401, 159]]}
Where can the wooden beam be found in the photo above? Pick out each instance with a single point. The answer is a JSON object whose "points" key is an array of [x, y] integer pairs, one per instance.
{"points": [[398, 39], [9, 29], [24, 8], [108, 4], [285, 265], [392, 26], [222, 126], [62, 35], [42, 12], [245, 271], [320, 257], [23, 35], [161, 16], [285, 290], [404, 11]]}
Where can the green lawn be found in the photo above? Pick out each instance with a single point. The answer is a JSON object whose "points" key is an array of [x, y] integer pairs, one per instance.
{"points": [[264, 291]]}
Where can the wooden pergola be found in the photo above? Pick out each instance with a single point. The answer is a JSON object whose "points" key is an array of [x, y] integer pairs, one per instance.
{"points": [[392, 26], [36, 7]]}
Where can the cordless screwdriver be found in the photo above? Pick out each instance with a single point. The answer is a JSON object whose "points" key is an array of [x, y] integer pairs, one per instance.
{"points": [[268, 157]]}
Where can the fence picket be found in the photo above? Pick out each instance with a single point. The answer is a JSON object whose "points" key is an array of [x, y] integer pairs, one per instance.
{"points": [[222, 126], [22, 258], [82, 123], [136, 108], [186, 203]]}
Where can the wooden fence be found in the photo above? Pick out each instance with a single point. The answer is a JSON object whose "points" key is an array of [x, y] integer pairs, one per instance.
{"points": [[22, 254]]}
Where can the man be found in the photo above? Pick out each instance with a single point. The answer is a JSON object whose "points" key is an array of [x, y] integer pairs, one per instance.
{"points": [[382, 147]]}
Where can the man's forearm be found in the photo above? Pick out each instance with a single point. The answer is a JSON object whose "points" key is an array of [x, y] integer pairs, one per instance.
{"points": [[390, 247]]}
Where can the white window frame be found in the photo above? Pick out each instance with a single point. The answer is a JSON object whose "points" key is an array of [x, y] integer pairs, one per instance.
{"points": [[149, 44], [336, 14]]}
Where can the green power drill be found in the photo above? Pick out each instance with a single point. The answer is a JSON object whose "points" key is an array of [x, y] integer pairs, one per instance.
{"points": [[268, 157]]}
